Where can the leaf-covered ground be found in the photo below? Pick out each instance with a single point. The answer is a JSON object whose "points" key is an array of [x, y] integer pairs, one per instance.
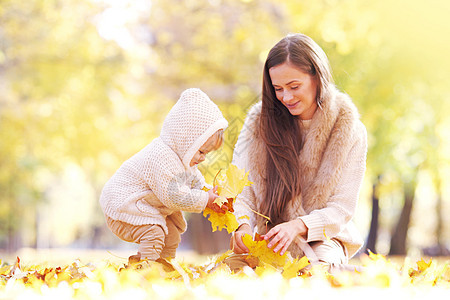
{"points": [[379, 277]]}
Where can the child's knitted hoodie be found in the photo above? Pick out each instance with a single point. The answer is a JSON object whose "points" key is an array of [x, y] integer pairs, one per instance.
{"points": [[158, 181]]}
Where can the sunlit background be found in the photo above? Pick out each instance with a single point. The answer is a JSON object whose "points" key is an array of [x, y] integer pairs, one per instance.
{"points": [[85, 84]]}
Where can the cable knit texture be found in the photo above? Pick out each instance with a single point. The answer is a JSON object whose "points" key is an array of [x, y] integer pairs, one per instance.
{"points": [[332, 166], [158, 181]]}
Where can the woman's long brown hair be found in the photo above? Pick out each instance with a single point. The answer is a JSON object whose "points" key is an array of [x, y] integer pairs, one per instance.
{"points": [[281, 130]]}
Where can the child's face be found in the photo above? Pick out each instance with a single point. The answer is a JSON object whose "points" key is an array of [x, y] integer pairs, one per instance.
{"points": [[207, 147]]}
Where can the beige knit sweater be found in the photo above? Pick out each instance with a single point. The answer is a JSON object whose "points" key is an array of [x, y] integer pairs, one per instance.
{"points": [[158, 181], [332, 166]]}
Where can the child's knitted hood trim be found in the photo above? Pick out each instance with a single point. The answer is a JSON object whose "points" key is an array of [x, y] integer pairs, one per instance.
{"points": [[190, 122]]}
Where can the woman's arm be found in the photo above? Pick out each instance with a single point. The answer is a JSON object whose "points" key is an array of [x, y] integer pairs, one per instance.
{"points": [[329, 221], [246, 201], [243, 207]]}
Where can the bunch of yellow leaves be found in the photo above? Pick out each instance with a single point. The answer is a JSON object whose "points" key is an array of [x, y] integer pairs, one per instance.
{"points": [[265, 256], [230, 185]]}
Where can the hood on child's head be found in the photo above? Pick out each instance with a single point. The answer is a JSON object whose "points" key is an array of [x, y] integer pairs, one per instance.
{"points": [[190, 122]]}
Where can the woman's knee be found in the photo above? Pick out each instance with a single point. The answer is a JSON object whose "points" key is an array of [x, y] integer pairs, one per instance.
{"points": [[330, 252]]}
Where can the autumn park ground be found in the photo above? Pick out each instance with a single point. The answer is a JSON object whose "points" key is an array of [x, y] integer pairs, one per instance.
{"points": [[106, 274]]}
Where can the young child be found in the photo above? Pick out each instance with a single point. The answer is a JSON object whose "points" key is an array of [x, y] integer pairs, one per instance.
{"points": [[143, 201]]}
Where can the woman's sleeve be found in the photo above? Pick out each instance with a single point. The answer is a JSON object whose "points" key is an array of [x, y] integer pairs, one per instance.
{"points": [[172, 185], [242, 211], [329, 221], [246, 201]]}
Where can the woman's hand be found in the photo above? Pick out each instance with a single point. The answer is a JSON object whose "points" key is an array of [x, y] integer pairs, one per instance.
{"points": [[214, 206], [236, 243], [283, 234]]}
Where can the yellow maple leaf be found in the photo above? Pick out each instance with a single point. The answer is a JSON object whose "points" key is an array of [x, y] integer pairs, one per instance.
{"points": [[264, 253], [376, 257], [220, 221], [422, 265], [265, 269], [291, 268], [224, 256], [233, 183]]}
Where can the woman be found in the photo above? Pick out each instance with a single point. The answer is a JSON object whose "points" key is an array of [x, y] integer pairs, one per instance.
{"points": [[305, 149]]}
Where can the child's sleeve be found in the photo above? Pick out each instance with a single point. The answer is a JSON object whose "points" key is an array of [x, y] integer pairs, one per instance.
{"points": [[172, 185], [200, 182]]}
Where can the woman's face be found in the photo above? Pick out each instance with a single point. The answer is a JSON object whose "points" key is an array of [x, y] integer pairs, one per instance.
{"points": [[295, 89]]}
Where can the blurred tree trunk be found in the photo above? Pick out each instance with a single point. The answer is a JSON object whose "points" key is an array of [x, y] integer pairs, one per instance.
{"points": [[13, 240], [373, 231], [398, 239], [439, 212], [13, 219], [14, 236], [439, 249], [34, 243]]}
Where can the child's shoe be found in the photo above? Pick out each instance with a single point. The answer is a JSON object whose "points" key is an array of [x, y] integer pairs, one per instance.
{"points": [[134, 258]]}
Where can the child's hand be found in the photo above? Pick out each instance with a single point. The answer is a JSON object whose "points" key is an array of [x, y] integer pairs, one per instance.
{"points": [[214, 206]]}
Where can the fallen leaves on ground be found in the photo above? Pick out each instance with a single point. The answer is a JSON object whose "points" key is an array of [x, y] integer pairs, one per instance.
{"points": [[178, 280]]}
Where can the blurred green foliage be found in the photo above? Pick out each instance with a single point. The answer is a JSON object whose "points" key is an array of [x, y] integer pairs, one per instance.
{"points": [[90, 82]]}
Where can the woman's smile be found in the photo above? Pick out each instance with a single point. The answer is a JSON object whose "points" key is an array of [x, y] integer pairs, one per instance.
{"points": [[291, 105]]}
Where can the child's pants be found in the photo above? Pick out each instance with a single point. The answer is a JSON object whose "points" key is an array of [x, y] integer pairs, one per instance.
{"points": [[153, 243]]}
